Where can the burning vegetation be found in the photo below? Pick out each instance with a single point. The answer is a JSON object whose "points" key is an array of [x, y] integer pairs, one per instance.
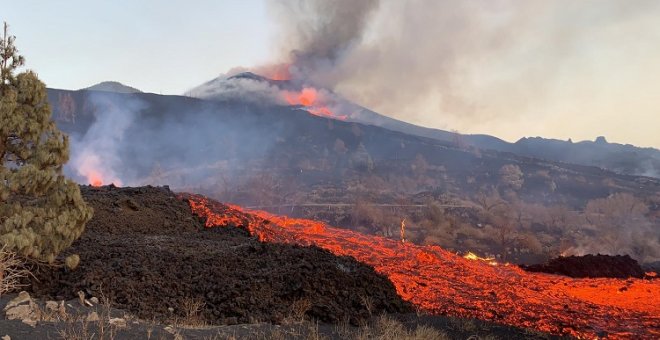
{"points": [[440, 282]]}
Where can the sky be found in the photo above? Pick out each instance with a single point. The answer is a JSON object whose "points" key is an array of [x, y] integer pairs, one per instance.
{"points": [[156, 46], [557, 69]]}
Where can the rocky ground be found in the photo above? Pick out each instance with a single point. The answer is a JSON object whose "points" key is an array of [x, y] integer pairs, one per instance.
{"points": [[149, 255], [150, 270], [617, 266], [26, 317]]}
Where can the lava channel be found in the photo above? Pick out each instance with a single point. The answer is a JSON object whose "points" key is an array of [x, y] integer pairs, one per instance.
{"points": [[443, 283]]}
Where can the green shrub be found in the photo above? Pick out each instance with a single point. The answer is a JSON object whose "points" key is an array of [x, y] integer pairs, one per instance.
{"points": [[41, 212]]}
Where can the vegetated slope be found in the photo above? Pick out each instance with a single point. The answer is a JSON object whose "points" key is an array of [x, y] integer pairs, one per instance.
{"points": [[147, 253]]}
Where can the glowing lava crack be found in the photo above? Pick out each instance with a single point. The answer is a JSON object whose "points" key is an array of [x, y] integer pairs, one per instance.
{"points": [[441, 282]]}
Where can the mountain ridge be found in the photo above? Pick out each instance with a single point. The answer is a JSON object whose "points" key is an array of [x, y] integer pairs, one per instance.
{"points": [[112, 86], [620, 158]]}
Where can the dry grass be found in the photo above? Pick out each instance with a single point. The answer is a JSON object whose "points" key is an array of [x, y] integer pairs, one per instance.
{"points": [[464, 325], [368, 303], [192, 309], [78, 327], [385, 328], [12, 270], [297, 311]]}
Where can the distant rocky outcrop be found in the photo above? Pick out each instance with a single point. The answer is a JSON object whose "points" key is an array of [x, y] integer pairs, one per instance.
{"points": [[615, 266], [113, 86]]}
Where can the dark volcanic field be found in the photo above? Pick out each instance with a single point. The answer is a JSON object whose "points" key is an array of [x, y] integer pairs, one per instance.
{"points": [[149, 255], [617, 266]]}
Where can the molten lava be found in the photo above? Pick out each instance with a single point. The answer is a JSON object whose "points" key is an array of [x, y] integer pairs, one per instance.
{"points": [[440, 282], [315, 102], [309, 98]]}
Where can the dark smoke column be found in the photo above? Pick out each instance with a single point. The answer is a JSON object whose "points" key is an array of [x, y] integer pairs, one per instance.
{"points": [[318, 33]]}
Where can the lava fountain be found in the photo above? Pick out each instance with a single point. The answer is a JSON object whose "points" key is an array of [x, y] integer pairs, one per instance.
{"points": [[313, 101], [443, 283]]}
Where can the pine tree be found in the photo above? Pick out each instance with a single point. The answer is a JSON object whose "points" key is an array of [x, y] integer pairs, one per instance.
{"points": [[41, 212]]}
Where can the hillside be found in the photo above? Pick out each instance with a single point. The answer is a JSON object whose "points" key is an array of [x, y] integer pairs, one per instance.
{"points": [[228, 282], [138, 234], [282, 159], [623, 159], [620, 158]]}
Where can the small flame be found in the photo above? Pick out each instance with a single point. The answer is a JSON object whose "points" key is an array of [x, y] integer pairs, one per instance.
{"points": [[474, 257], [95, 178], [403, 230], [90, 166]]}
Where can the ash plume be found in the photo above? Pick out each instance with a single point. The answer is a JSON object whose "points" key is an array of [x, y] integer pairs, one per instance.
{"points": [[317, 34], [499, 67]]}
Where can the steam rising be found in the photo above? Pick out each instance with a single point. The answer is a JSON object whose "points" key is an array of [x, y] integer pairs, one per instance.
{"points": [[185, 144], [95, 155], [238, 88]]}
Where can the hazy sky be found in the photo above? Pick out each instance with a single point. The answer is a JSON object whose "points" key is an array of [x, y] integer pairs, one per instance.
{"points": [[552, 68], [153, 45]]}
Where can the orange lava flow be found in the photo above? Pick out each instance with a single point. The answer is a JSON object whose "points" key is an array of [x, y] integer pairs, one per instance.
{"points": [[441, 282], [309, 98]]}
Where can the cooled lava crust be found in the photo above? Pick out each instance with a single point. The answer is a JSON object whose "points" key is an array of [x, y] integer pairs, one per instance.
{"points": [[147, 252], [618, 266]]}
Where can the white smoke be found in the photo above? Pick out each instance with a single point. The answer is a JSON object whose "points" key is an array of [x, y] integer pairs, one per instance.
{"points": [[244, 89], [95, 156]]}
